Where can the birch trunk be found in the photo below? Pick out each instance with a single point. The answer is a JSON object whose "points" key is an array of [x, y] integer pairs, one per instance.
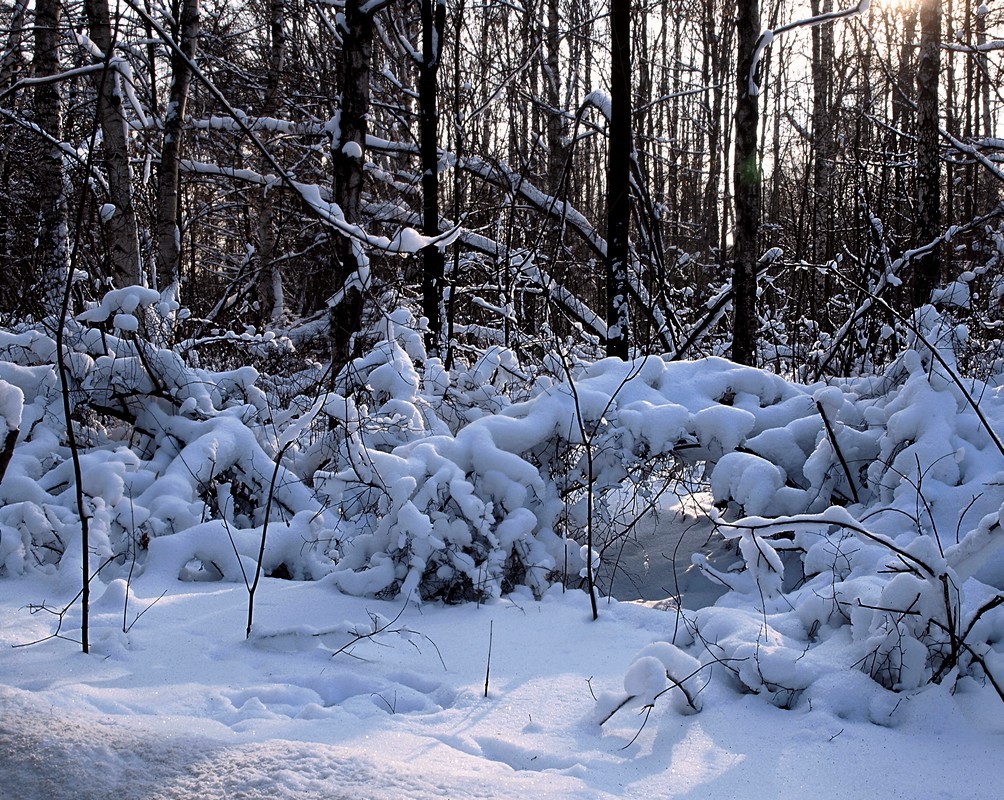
{"points": [[123, 240], [51, 213]]}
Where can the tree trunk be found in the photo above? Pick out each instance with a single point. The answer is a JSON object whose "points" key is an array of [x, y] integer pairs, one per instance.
{"points": [[168, 227], [557, 126], [346, 303], [11, 61], [713, 73], [270, 295], [747, 180], [619, 180], [50, 211], [822, 135], [928, 267], [433, 259], [123, 239]]}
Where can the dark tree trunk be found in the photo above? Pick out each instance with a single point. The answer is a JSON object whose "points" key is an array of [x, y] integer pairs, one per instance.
{"points": [[557, 126], [618, 180], [822, 135], [433, 259], [928, 267], [346, 303], [711, 74], [168, 226], [11, 61], [269, 281], [747, 180]]}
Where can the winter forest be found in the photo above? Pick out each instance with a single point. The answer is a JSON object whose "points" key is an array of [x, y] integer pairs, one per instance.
{"points": [[643, 361]]}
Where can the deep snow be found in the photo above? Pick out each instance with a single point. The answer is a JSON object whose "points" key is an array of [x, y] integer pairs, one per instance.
{"points": [[183, 707]]}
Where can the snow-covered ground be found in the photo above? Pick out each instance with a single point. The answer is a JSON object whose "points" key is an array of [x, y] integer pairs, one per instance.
{"points": [[183, 707], [837, 550]]}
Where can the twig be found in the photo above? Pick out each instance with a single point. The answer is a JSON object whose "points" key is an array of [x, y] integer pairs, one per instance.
{"points": [[648, 712], [56, 634], [949, 370], [488, 666], [264, 532], [836, 449], [377, 629], [141, 613], [64, 387], [673, 684], [757, 524]]}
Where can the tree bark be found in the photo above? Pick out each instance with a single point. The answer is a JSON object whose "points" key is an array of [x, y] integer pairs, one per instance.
{"points": [[433, 258], [346, 303], [557, 126], [50, 200], [928, 267], [619, 180], [271, 303], [747, 180], [714, 73], [822, 135], [11, 61], [168, 225]]}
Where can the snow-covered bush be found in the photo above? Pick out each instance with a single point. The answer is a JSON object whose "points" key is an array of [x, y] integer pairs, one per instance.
{"points": [[510, 496], [164, 446], [878, 549]]}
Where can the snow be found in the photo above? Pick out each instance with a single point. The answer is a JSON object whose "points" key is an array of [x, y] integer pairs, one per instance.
{"points": [[183, 707], [352, 150], [824, 562], [956, 293], [646, 679], [11, 406], [126, 323]]}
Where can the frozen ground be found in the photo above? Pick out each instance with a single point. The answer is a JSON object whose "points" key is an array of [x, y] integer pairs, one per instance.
{"points": [[183, 707]]}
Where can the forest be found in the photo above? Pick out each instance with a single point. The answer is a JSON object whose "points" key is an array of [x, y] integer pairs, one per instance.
{"points": [[453, 305], [258, 164]]}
